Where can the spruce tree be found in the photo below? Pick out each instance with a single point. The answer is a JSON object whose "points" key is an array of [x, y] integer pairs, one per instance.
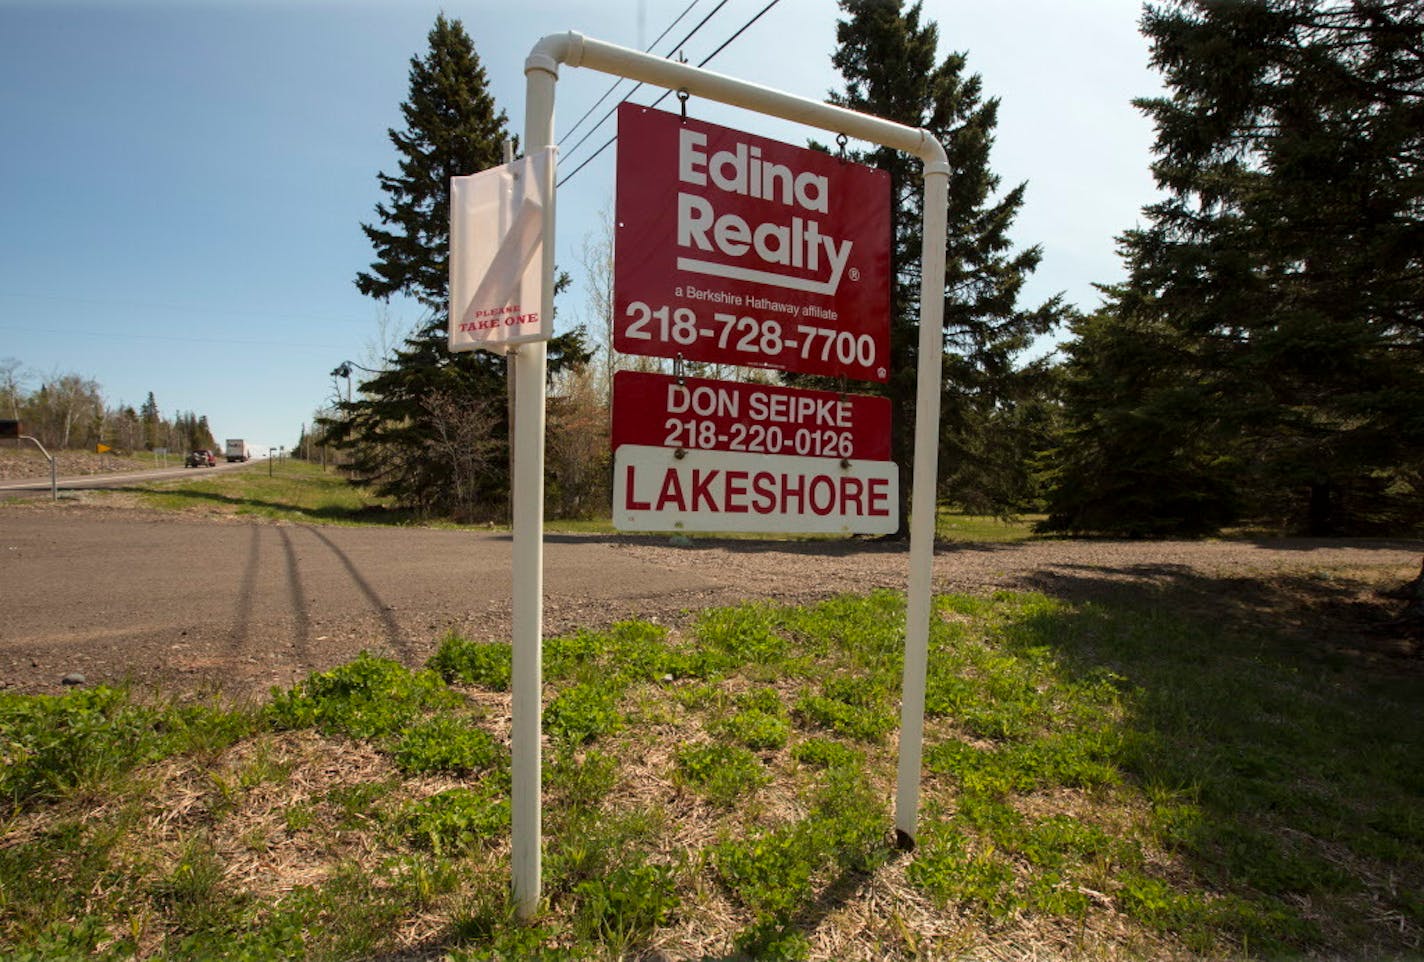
{"points": [[152, 423], [1285, 263], [399, 431], [888, 59]]}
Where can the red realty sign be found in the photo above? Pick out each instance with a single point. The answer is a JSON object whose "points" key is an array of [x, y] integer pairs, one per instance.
{"points": [[736, 249], [660, 411]]}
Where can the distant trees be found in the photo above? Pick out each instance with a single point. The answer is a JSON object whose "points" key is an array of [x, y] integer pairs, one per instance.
{"points": [[404, 433], [1264, 359], [67, 411]]}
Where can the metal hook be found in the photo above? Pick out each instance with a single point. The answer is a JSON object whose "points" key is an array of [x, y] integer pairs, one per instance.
{"points": [[678, 371], [841, 141], [682, 96]]}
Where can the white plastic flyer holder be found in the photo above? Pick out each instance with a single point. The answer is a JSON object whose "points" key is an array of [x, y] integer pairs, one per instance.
{"points": [[498, 223]]}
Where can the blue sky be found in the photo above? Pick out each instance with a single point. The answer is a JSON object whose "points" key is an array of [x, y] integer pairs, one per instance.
{"points": [[182, 183]]}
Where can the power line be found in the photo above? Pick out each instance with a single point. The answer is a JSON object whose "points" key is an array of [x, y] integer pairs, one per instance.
{"points": [[578, 123], [608, 143], [734, 36], [604, 119]]}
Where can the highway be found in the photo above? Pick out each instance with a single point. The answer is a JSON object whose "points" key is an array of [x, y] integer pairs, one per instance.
{"points": [[118, 479]]}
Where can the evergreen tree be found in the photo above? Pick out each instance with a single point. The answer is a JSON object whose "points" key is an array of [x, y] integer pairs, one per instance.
{"points": [[888, 60], [1285, 263], [1141, 452], [398, 431], [152, 424]]}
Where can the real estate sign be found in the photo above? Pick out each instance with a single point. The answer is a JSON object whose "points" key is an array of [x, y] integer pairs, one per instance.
{"points": [[735, 249], [700, 413]]}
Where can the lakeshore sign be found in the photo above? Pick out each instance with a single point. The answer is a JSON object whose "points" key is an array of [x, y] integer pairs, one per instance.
{"points": [[735, 249], [498, 223], [662, 489]]}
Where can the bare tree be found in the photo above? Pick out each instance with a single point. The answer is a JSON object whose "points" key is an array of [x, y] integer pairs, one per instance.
{"points": [[463, 436], [576, 445], [596, 259], [12, 384]]}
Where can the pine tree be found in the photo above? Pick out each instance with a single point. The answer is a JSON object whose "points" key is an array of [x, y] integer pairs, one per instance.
{"points": [[399, 430], [152, 424], [1286, 262], [888, 60]]}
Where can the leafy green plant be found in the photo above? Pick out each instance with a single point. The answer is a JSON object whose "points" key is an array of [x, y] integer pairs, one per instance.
{"points": [[1122, 770], [456, 820], [583, 781], [1061, 840], [948, 869], [848, 823], [50, 744], [565, 655], [484, 663], [742, 635], [771, 872], [364, 698], [445, 744], [868, 631], [191, 889], [639, 651], [628, 903], [724, 773], [826, 753], [757, 730], [855, 707], [582, 713], [592, 843]]}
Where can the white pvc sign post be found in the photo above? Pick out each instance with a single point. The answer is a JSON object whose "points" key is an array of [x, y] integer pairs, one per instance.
{"points": [[541, 70], [498, 222]]}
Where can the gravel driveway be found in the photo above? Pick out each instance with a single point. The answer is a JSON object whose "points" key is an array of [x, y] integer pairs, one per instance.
{"points": [[192, 603]]}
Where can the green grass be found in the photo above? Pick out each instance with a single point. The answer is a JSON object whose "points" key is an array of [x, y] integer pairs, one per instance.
{"points": [[287, 491], [1100, 781], [956, 526]]}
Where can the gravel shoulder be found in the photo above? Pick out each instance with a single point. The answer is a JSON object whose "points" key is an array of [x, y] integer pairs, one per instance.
{"points": [[194, 603]]}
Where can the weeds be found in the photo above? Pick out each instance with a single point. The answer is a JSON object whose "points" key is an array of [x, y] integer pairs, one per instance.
{"points": [[1136, 782], [724, 773], [455, 821]]}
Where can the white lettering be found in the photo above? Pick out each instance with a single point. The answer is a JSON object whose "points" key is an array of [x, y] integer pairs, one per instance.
{"points": [[741, 170]]}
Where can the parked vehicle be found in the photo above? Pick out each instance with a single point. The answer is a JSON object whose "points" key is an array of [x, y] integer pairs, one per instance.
{"points": [[201, 458]]}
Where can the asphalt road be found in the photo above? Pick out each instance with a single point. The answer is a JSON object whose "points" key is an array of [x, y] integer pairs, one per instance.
{"points": [[118, 479], [142, 596], [189, 604]]}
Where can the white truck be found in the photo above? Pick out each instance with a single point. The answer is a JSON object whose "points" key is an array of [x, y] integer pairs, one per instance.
{"points": [[236, 449]]}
